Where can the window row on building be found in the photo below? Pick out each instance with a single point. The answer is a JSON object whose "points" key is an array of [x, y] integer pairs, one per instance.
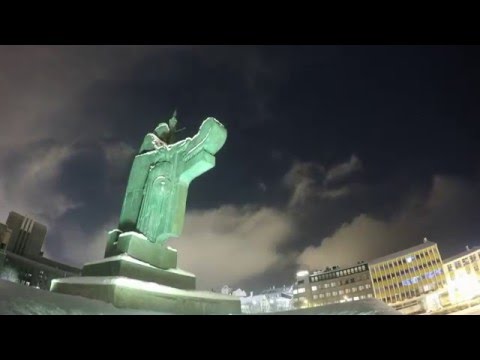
{"points": [[338, 273]]}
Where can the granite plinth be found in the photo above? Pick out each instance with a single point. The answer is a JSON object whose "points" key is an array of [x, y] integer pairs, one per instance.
{"points": [[127, 266], [139, 247], [128, 293]]}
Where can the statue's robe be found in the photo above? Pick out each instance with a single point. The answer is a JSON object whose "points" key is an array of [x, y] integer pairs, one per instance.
{"points": [[157, 189]]}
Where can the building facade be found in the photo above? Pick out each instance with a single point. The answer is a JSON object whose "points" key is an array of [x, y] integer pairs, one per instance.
{"points": [[332, 286], [38, 272], [21, 256], [27, 236], [462, 273], [403, 279], [5, 233], [267, 301]]}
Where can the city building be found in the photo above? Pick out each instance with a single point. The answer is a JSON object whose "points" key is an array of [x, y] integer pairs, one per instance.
{"points": [[21, 256], [409, 280], [332, 286], [27, 236], [462, 273], [5, 234], [267, 301]]}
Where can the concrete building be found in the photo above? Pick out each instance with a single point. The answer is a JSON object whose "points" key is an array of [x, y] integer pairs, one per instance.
{"points": [[462, 273], [27, 236], [409, 280], [21, 256], [267, 301], [332, 286], [37, 272], [5, 234]]}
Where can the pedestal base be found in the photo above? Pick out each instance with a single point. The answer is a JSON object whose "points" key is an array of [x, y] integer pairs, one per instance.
{"points": [[126, 266], [126, 282], [128, 293]]}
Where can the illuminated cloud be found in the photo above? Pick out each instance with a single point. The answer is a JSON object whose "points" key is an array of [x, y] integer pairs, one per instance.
{"points": [[445, 215], [231, 244]]}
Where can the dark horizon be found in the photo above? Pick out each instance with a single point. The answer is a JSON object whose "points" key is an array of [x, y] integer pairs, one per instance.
{"points": [[335, 154]]}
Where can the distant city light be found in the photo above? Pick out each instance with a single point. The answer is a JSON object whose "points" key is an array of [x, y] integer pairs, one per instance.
{"points": [[465, 286], [302, 273]]}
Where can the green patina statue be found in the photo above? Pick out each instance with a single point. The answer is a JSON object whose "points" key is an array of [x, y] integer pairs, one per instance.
{"points": [[156, 195]]}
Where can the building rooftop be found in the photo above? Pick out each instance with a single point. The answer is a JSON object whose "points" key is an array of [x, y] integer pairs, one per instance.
{"points": [[404, 252], [462, 254], [276, 290], [337, 268]]}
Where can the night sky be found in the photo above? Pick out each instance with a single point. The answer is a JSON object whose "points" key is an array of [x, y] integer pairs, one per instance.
{"points": [[335, 154]]}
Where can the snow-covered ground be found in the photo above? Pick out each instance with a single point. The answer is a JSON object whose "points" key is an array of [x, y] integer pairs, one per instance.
{"points": [[361, 307], [16, 299], [474, 310]]}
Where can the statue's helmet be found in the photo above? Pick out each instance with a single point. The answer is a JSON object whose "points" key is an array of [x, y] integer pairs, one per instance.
{"points": [[162, 131]]}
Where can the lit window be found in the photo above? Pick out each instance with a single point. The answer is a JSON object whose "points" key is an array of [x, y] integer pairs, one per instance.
{"points": [[354, 289], [314, 288], [340, 292], [369, 295], [321, 296], [368, 286], [355, 298], [327, 285], [328, 294], [315, 297], [332, 284], [295, 292], [301, 290], [360, 288], [362, 297], [334, 293]]}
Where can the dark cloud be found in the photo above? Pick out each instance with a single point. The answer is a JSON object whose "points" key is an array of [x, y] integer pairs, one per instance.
{"points": [[447, 216], [343, 170]]}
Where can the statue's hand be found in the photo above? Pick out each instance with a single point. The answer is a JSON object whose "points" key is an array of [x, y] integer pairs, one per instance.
{"points": [[215, 135]]}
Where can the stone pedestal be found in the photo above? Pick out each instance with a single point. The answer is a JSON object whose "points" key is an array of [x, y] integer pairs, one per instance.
{"points": [[142, 275]]}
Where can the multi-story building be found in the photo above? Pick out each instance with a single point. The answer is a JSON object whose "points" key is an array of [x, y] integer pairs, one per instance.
{"points": [[21, 256], [332, 286], [27, 236], [267, 301], [5, 233], [462, 273], [402, 279]]}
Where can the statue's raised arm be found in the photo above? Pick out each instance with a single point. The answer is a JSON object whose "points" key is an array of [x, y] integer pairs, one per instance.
{"points": [[200, 150]]}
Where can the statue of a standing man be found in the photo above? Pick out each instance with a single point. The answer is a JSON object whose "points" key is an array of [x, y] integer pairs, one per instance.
{"points": [[156, 195]]}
